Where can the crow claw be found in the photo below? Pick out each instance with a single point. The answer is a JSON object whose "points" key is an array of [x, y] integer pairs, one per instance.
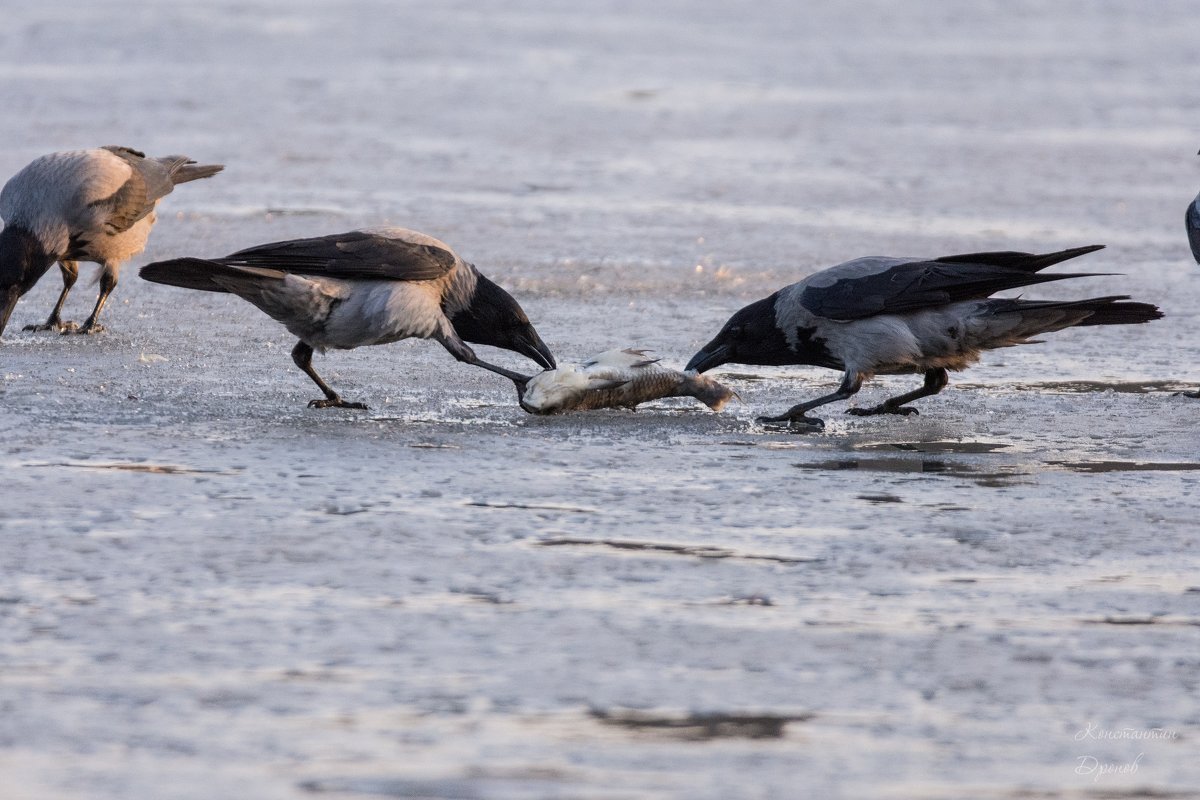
{"points": [[48, 326], [82, 330]]}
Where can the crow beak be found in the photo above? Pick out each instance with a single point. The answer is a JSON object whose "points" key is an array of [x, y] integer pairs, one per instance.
{"points": [[531, 346], [706, 359]]}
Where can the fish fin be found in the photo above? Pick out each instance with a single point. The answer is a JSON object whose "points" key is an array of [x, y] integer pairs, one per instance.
{"points": [[643, 357], [628, 358]]}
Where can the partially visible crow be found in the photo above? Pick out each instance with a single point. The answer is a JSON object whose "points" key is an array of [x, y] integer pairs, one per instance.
{"points": [[82, 205], [365, 287], [880, 315], [1193, 227], [1192, 220]]}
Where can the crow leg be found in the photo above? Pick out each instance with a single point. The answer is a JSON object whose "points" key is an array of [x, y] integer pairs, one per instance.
{"points": [[459, 349], [302, 354], [935, 381], [108, 282], [70, 272], [797, 415]]}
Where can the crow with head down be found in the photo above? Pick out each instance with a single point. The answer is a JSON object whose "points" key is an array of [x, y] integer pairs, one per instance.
{"points": [[367, 287], [882, 315], [81, 205]]}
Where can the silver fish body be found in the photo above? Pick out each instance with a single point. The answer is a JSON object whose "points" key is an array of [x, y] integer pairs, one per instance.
{"points": [[617, 379]]}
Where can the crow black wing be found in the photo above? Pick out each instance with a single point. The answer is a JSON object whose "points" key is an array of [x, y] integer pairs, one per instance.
{"points": [[148, 182], [356, 254], [872, 286]]}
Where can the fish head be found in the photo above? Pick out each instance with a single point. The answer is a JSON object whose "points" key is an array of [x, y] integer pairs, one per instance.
{"points": [[554, 390]]}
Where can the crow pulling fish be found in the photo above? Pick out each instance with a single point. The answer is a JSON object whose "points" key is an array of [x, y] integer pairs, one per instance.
{"points": [[616, 379], [367, 287], [894, 316]]}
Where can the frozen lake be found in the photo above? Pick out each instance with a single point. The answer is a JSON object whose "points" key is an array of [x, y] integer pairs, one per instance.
{"points": [[208, 589]]}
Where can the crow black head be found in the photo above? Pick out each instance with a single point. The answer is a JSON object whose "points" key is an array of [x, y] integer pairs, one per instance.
{"points": [[23, 261], [495, 318], [8, 301], [751, 336]]}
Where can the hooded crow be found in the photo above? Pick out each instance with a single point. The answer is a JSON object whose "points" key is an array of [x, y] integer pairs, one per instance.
{"points": [[880, 315], [1192, 220], [367, 287], [82, 205]]}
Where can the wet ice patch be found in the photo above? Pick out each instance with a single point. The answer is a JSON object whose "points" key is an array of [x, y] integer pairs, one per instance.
{"points": [[702, 726], [135, 466], [1096, 467], [1086, 387], [937, 447], [696, 550], [533, 506], [1003, 475]]}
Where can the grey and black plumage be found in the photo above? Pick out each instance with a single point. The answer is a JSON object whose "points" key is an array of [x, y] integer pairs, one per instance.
{"points": [[1192, 221], [367, 287], [81, 205], [882, 315], [1193, 227]]}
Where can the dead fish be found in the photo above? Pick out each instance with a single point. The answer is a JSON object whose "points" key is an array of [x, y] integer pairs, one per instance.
{"points": [[617, 378]]}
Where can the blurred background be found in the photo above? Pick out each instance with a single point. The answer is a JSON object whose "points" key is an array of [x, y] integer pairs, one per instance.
{"points": [[207, 589], [542, 131]]}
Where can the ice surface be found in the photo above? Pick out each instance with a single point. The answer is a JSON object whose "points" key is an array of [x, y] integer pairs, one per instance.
{"points": [[210, 590]]}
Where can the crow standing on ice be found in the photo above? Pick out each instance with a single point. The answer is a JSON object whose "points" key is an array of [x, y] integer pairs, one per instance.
{"points": [[367, 287], [880, 315], [82, 205]]}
